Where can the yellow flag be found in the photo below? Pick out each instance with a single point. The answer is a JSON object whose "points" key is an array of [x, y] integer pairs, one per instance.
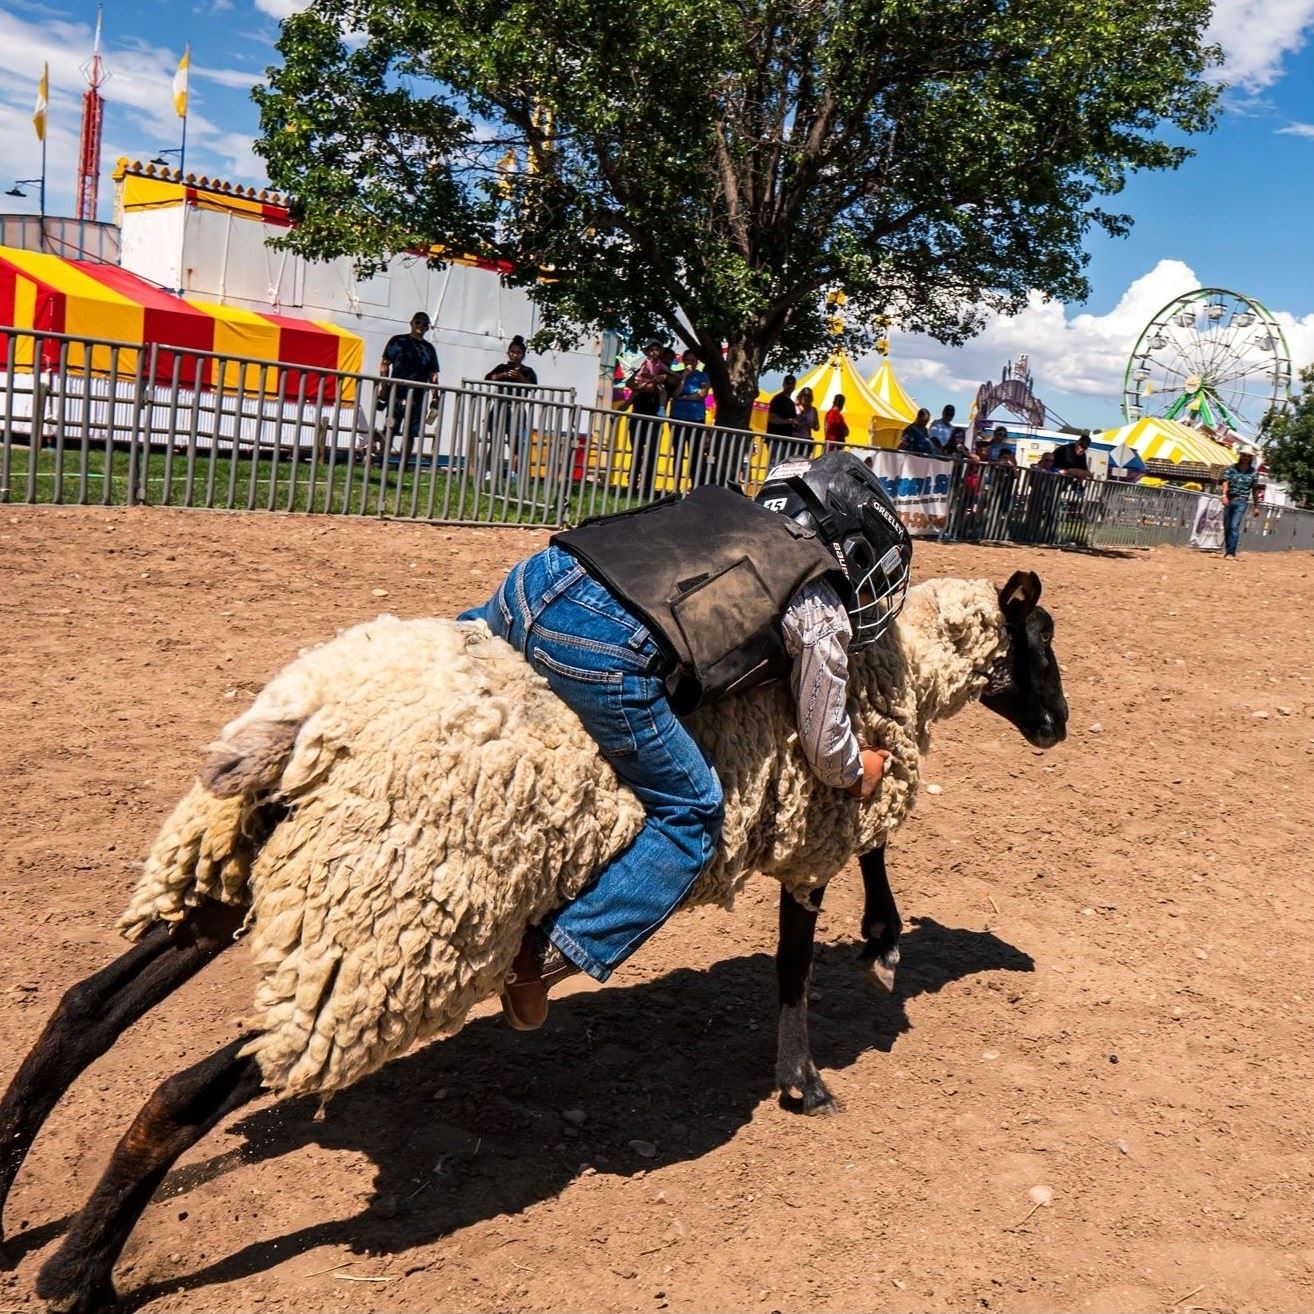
{"points": [[43, 96], [180, 82], [506, 167]]}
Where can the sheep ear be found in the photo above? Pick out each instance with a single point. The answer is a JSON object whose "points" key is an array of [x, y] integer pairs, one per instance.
{"points": [[1018, 598]]}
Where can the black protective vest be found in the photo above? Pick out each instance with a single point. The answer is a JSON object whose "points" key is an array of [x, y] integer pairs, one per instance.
{"points": [[711, 574]]}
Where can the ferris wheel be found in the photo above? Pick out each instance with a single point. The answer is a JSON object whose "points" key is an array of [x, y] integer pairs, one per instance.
{"points": [[1211, 357]]}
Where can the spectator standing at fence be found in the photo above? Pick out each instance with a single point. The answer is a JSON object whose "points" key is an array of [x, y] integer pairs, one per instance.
{"points": [[407, 359], [647, 391], [1002, 488], [513, 369], [1240, 485], [1042, 518], [837, 427], [674, 367], [942, 430], [1070, 459], [508, 419], [807, 422], [956, 447], [782, 413], [999, 439], [688, 411], [916, 439], [968, 521]]}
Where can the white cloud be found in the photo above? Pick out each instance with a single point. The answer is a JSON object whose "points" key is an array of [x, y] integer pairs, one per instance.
{"points": [[238, 78], [237, 153], [1077, 355], [1297, 130], [281, 9], [1257, 36]]}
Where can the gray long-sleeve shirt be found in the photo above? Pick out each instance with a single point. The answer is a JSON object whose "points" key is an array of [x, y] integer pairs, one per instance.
{"points": [[817, 634]]}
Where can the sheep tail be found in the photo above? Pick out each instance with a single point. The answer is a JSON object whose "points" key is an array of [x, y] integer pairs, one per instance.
{"points": [[250, 760], [206, 847]]}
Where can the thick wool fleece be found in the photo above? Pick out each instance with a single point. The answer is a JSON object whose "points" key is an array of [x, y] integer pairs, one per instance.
{"points": [[398, 804]]}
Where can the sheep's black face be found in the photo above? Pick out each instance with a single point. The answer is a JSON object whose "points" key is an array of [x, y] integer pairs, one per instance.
{"points": [[1026, 688]]}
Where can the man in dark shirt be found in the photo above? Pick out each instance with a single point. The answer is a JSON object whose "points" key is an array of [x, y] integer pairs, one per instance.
{"points": [[408, 358], [1071, 458], [916, 439], [782, 412]]}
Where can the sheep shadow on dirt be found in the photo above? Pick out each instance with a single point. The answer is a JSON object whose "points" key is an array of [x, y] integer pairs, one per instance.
{"points": [[468, 1128], [498, 1131]]}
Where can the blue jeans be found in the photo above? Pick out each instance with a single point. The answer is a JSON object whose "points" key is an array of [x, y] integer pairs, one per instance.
{"points": [[1234, 512], [605, 666]]}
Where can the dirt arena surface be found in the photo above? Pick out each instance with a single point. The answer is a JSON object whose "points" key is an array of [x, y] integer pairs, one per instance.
{"points": [[1104, 991]]}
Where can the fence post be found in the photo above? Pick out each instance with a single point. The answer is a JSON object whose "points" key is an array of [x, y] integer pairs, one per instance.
{"points": [[37, 429], [7, 437], [569, 441], [171, 430], [138, 459]]}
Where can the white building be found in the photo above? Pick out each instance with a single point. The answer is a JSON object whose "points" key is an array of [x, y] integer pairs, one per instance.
{"points": [[210, 239]]}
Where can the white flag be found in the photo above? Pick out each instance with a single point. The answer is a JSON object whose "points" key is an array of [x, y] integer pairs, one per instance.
{"points": [[43, 96], [180, 82]]}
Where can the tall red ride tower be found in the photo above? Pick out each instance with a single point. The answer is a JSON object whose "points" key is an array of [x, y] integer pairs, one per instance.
{"points": [[93, 115]]}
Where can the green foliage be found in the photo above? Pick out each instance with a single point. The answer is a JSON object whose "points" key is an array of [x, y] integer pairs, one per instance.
{"points": [[710, 169], [1288, 442]]}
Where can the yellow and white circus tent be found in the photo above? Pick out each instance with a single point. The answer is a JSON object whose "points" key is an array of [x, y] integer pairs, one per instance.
{"points": [[885, 386], [872, 422], [1155, 438]]}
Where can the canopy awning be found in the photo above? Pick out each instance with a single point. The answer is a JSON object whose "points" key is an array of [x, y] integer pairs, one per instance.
{"points": [[885, 385], [1154, 438], [872, 423], [85, 299]]}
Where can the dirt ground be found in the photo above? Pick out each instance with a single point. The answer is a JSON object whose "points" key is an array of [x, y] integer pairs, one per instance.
{"points": [[1103, 991]]}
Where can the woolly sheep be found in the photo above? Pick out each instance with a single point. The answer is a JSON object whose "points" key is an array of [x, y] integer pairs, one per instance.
{"points": [[399, 803], [440, 798]]}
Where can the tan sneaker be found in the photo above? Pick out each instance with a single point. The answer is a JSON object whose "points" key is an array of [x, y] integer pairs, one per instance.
{"points": [[537, 966]]}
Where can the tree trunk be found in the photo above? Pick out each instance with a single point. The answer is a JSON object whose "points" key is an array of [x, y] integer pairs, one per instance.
{"points": [[735, 381]]}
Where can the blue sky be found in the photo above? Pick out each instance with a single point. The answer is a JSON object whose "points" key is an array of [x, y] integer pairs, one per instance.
{"points": [[1236, 216]]}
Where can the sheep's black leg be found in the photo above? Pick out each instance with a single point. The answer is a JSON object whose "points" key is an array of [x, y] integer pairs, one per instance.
{"points": [[95, 1012], [881, 926], [77, 1277], [795, 1070]]}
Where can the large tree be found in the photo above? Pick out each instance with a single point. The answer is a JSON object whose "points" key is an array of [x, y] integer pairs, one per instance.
{"points": [[1288, 442], [716, 170]]}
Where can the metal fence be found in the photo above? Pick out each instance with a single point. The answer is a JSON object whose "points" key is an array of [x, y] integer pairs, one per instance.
{"points": [[110, 423], [95, 421], [999, 503], [1002, 503]]}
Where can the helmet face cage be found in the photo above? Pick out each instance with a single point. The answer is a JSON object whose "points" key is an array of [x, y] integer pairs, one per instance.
{"points": [[879, 587], [842, 501]]}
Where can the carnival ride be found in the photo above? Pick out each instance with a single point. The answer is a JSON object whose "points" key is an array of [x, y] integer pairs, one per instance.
{"points": [[1211, 358], [1014, 392]]}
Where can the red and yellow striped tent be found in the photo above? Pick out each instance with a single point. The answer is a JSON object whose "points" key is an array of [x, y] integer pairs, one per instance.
{"points": [[82, 298]]}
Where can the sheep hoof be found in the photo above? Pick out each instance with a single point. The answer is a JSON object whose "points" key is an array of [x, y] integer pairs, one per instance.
{"points": [[814, 1098], [879, 969], [68, 1287], [85, 1302], [820, 1103]]}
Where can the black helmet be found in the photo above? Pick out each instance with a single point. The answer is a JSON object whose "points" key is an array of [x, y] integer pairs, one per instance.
{"points": [[843, 501]]}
